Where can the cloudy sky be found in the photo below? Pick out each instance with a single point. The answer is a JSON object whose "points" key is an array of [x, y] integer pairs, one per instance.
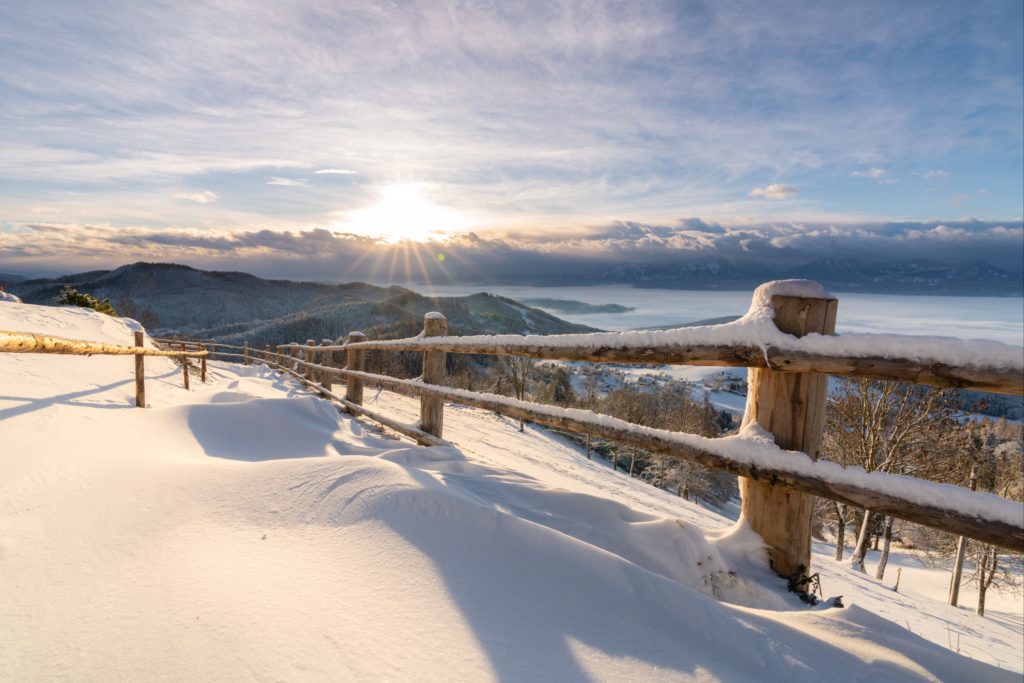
{"points": [[293, 138]]}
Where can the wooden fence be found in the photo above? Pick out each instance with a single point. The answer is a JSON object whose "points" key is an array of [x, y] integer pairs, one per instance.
{"points": [[786, 396]]}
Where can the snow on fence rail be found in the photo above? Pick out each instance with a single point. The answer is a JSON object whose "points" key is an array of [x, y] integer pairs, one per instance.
{"points": [[754, 341]]}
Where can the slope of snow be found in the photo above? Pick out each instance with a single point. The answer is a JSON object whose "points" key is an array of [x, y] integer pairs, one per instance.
{"points": [[245, 530]]}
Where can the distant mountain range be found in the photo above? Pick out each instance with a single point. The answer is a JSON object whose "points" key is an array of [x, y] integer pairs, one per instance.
{"points": [[973, 278], [232, 307]]}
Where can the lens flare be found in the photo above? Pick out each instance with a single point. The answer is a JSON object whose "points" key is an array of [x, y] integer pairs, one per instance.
{"points": [[402, 212]]}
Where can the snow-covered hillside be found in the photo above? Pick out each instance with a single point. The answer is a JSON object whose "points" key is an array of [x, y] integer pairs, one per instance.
{"points": [[245, 530]]}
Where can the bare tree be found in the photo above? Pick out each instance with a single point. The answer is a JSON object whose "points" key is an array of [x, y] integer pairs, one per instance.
{"points": [[513, 373], [887, 427]]}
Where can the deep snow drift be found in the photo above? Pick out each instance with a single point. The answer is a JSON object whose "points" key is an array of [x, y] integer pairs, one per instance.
{"points": [[246, 530]]}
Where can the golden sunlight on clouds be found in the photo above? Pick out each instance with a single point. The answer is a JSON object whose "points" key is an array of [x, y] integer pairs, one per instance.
{"points": [[403, 211]]}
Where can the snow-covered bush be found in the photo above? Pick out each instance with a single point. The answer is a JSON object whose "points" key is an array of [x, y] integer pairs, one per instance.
{"points": [[69, 296]]}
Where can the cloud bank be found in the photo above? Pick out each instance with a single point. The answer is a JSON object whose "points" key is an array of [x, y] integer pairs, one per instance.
{"points": [[321, 254]]}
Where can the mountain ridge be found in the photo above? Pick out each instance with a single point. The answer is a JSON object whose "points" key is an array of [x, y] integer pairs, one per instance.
{"points": [[235, 306]]}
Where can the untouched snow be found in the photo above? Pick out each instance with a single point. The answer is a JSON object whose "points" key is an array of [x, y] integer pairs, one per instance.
{"points": [[246, 531]]}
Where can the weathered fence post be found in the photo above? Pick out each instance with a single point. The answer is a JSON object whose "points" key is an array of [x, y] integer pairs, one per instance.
{"points": [[356, 360], [184, 365], [326, 359], [792, 407], [140, 374], [202, 365], [309, 355], [266, 355], [245, 353], [432, 407]]}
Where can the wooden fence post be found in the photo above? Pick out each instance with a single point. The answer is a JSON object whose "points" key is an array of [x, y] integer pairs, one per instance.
{"points": [[432, 407], [202, 365], [309, 355], [326, 359], [356, 361], [245, 353], [184, 367], [140, 374], [792, 407], [294, 357], [266, 354]]}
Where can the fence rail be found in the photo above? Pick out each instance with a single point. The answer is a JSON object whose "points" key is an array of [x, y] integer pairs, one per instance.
{"points": [[997, 380], [786, 398], [27, 342]]}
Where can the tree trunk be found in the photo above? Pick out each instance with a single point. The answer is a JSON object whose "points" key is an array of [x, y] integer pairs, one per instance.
{"points": [[961, 550], [986, 574], [632, 461], [840, 530], [588, 446], [886, 542], [857, 561]]}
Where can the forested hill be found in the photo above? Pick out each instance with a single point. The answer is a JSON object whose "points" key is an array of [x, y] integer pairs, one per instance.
{"points": [[235, 306]]}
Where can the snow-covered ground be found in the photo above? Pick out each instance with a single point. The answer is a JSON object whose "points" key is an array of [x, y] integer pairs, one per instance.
{"points": [[245, 530]]}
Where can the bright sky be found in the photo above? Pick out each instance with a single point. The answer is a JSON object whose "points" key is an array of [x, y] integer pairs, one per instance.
{"points": [[525, 120]]}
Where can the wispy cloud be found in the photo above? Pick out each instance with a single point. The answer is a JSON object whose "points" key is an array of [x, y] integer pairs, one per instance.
{"points": [[337, 171], [935, 174], [774, 191], [875, 173], [287, 182], [881, 175], [201, 197]]}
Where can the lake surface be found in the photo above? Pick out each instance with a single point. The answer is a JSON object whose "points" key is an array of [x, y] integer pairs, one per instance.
{"points": [[995, 318]]}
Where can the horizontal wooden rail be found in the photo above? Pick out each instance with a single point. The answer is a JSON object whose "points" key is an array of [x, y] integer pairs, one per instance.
{"points": [[793, 470], [418, 435], [990, 379], [24, 342]]}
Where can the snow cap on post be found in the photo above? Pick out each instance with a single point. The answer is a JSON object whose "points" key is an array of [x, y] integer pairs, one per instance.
{"points": [[803, 289]]}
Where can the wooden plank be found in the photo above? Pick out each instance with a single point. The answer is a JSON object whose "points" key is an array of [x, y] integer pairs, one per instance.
{"points": [[792, 407], [26, 342], [184, 368], [326, 359], [309, 356], [356, 360], [990, 379], [418, 435], [140, 373], [432, 407]]}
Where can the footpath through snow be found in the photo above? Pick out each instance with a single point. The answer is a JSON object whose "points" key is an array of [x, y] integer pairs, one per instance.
{"points": [[247, 531]]}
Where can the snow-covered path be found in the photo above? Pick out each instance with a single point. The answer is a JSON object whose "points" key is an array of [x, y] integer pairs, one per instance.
{"points": [[245, 530]]}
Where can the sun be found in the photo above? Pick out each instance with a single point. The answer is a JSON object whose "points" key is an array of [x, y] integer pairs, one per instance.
{"points": [[402, 212]]}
